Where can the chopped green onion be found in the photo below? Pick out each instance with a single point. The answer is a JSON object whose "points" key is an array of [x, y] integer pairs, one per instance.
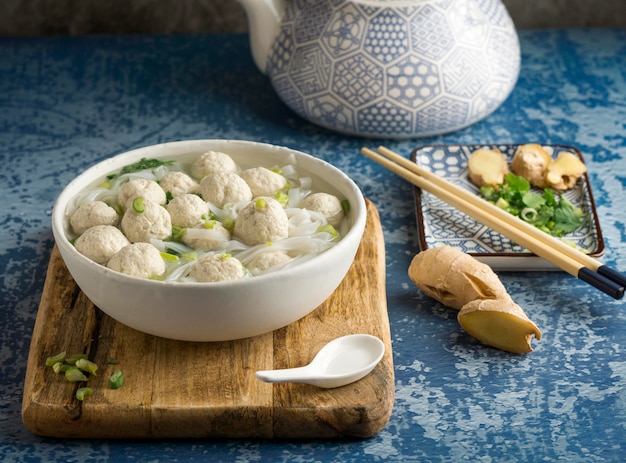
{"points": [[282, 197], [59, 358], [345, 205], [169, 257], [87, 366], [192, 255], [116, 380], [57, 367], [74, 375], [328, 228], [528, 214], [71, 360], [260, 203], [228, 223], [502, 203], [83, 392], [178, 233], [488, 192], [210, 216], [138, 205], [112, 361]]}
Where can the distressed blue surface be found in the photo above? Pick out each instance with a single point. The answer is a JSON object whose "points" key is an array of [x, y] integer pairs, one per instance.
{"points": [[66, 103]]}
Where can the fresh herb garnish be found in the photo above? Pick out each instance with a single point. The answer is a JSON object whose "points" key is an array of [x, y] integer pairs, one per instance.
{"points": [[553, 213], [143, 164]]}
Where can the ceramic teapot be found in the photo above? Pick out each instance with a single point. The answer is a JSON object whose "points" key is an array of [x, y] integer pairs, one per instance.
{"points": [[386, 68]]}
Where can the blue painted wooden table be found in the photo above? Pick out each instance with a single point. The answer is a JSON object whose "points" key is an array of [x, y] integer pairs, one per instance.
{"points": [[66, 103]]}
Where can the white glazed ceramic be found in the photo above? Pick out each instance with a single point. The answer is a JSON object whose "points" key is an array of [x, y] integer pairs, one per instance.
{"points": [[339, 363], [387, 68], [224, 310]]}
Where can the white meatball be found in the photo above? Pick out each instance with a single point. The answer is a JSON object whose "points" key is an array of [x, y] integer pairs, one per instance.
{"points": [[147, 189], [139, 260], [209, 236], [178, 183], [92, 213], [188, 210], [262, 220], [263, 182], [153, 222], [217, 267], [210, 162], [266, 260], [100, 242], [326, 204], [222, 188]]}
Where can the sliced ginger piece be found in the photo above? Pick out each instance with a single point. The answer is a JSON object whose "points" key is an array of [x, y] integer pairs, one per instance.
{"points": [[564, 171], [487, 167], [499, 323], [486, 311], [531, 161]]}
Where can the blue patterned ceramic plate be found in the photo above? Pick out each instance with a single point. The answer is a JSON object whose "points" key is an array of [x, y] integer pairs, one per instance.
{"points": [[439, 224]]}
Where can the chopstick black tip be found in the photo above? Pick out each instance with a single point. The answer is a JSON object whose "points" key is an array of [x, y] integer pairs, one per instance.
{"points": [[601, 282], [612, 275]]}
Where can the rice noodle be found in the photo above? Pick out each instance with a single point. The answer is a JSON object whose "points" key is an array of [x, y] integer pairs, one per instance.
{"points": [[204, 234]]}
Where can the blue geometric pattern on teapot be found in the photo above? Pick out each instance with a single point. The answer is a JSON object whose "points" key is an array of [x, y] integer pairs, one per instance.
{"points": [[394, 68]]}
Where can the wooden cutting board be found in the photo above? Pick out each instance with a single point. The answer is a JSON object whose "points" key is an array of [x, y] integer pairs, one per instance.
{"points": [[177, 389]]}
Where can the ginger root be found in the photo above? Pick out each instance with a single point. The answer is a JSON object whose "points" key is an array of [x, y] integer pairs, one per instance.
{"points": [[487, 167], [564, 171], [453, 277], [486, 311], [531, 161]]}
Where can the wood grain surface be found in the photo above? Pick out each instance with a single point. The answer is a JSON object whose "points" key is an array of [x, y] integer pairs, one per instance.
{"points": [[177, 389]]}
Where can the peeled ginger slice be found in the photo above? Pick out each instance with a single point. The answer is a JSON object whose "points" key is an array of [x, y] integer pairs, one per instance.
{"points": [[564, 171], [487, 167], [499, 323]]}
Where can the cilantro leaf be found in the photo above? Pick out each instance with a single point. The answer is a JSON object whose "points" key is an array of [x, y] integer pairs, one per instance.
{"points": [[140, 165]]}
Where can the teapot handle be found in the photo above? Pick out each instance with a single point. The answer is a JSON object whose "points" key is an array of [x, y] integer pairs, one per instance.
{"points": [[264, 17]]}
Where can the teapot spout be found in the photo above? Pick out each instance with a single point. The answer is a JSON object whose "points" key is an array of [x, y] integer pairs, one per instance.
{"points": [[264, 18]]}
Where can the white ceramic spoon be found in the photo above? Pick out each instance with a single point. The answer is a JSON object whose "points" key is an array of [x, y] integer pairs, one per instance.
{"points": [[340, 362]]}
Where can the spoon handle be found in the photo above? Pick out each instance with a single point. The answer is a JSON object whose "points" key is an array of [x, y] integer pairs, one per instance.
{"points": [[284, 375]]}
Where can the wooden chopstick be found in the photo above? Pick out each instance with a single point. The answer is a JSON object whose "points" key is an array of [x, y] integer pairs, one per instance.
{"points": [[551, 249]]}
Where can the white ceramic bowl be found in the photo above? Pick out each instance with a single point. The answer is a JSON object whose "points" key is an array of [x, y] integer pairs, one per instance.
{"points": [[224, 310]]}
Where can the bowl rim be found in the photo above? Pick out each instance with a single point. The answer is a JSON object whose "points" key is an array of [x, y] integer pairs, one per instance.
{"points": [[182, 147]]}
